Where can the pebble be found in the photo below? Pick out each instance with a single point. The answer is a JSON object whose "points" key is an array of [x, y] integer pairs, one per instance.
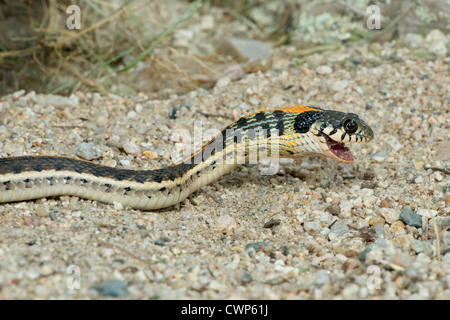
{"points": [[398, 227], [183, 37], [222, 83], [16, 95], [333, 209], [379, 230], [111, 288], [324, 70], [88, 151], [426, 213], [326, 218], [339, 85], [272, 223], [150, 154], [410, 217], [373, 221], [52, 216], [32, 221], [240, 48], [425, 247], [225, 224], [381, 155], [114, 141], [435, 42], [418, 179], [413, 40], [118, 205], [339, 229], [322, 278], [233, 71], [55, 100], [446, 222], [345, 209], [256, 246], [207, 22], [42, 291], [246, 277], [368, 197], [42, 212], [312, 227], [217, 286], [389, 214], [131, 148], [12, 149], [438, 176]]}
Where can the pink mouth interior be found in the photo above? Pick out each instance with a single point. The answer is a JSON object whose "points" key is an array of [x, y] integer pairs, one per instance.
{"points": [[339, 149]]}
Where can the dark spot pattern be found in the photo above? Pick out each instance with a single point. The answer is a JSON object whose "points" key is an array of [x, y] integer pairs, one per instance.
{"points": [[260, 116], [266, 127], [279, 114], [333, 131], [280, 127], [241, 122], [305, 120]]}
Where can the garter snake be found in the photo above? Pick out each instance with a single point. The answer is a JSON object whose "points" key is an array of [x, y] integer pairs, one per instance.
{"points": [[293, 132]]}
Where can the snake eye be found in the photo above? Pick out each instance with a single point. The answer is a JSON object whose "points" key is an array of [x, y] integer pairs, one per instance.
{"points": [[350, 126]]}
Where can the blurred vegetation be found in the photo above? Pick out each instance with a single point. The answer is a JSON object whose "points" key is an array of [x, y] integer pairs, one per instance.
{"points": [[117, 38]]}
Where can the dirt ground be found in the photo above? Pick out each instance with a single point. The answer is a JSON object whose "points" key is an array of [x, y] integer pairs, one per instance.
{"points": [[375, 229]]}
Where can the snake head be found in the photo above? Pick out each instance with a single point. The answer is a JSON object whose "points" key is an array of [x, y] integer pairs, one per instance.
{"points": [[333, 129]]}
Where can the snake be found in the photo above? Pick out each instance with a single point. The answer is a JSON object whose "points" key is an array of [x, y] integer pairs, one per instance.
{"points": [[289, 132]]}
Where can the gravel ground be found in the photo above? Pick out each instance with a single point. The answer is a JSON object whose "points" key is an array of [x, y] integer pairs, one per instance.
{"points": [[376, 229]]}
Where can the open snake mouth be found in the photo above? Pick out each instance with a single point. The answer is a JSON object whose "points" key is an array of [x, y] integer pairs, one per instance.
{"points": [[339, 150]]}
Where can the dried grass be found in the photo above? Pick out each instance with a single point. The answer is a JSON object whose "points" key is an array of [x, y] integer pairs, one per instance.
{"points": [[38, 51]]}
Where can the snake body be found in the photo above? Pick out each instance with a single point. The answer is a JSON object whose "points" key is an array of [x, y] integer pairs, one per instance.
{"points": [[293, 132]]}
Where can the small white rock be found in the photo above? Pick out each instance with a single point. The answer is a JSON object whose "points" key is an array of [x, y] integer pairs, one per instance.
{"points": [[217, 286], [131, 148], [183, 37], [222, 83], [368, 197], [118, 205], [138, 108], [346, 209], [418, 179], [413, 40], [16, 95], [389, 214], [225, 224], [438, 176], [435, 42], [132, 114], [426, 213], [324, 70], [88, 151], [207, 22], [339, 85]]}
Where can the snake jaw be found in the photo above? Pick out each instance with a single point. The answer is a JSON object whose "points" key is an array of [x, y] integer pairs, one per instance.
{"points": [[338, 150]]}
